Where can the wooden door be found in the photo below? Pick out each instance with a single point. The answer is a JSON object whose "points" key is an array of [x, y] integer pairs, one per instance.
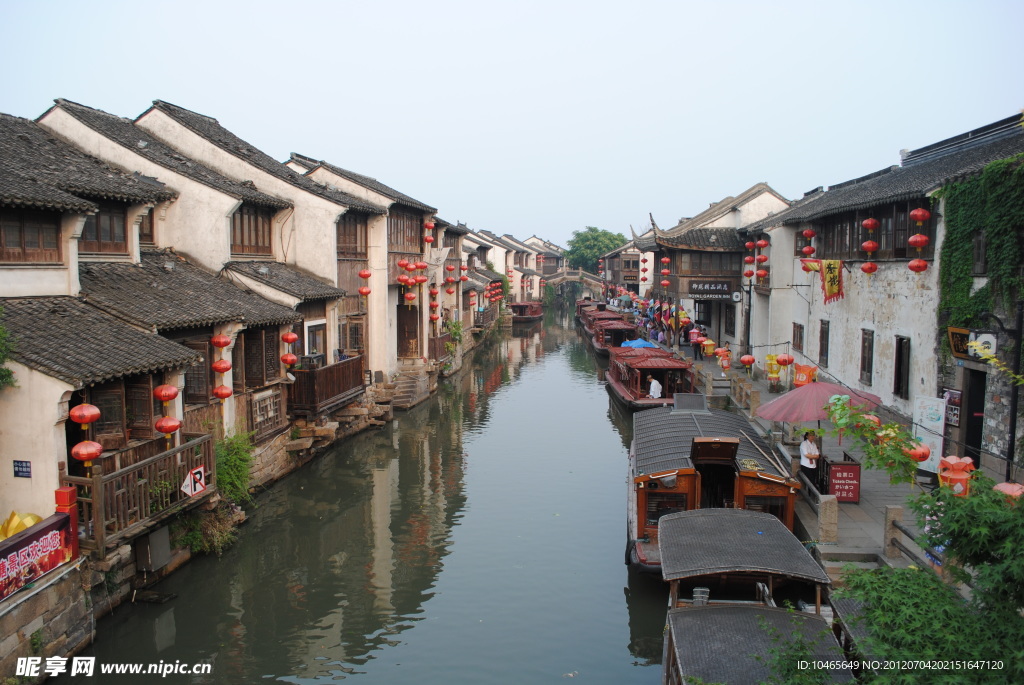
{"points": [[408, 331]]}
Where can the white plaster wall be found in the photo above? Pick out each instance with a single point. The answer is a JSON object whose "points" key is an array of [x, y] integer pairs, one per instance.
{"points": [[381, 350], [328, 177], [32, 430], [305, 236]]}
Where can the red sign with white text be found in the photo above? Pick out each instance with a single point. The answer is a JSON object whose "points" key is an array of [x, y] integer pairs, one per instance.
{"points": [[34, 552]]}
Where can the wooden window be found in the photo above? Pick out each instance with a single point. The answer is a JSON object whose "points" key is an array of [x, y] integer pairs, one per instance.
{"points": [[29, 236], [798, 337], [105, 231], [867, 355], [268, 412], [729, 311], [146, 236], [199, 376], [139, 406], [262, 356], [978, 239], [405, 232], [238, 365], [901, 373], [823, 344], [353, 232], [109, 429], [251, 230], [350, 333], [702, 312]]}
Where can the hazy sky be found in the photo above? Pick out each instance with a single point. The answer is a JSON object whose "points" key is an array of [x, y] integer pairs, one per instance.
{"points": [[542, 117]]}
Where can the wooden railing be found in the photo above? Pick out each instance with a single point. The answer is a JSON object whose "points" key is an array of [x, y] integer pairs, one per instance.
{"points": [[317, 390], [436, 346], [485, 318], [117, 502]]}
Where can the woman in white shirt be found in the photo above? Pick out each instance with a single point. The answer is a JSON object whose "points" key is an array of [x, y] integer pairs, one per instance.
{"points": [[809, 456]]}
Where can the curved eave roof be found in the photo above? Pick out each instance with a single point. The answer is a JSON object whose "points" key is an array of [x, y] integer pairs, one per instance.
{"points": [[67, 339], [286, 279]]}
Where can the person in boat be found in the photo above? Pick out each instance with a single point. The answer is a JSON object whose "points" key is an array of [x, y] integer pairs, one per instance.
{"points": [[655, 391], [809, 456]]}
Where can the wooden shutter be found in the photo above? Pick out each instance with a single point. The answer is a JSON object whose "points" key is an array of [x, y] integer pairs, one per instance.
{"points": [[238, 364], [109, 429], [254, 376], [139, 406], [197, 377]]}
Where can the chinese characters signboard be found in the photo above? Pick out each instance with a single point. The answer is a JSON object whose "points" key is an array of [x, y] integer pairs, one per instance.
{"points": [[26, 556], [844, 481], [710, 290]]}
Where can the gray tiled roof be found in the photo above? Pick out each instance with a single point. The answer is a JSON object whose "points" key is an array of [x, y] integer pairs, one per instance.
{"points": [[365, 181], [455, 229], [704, 542], [721, 239], [492, 275], [165, 292], [142, 143], [209, 129], [779, 218], [662, 438], [38, 169], [67, 339], [914, 180], [721, 644], [287, 279], [490, 237]]}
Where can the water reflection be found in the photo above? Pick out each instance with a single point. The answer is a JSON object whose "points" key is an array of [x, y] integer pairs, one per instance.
{"points": [[477, 538]]}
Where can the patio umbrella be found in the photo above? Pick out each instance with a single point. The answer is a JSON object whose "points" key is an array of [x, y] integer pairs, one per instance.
{"points": [[807, 403]]}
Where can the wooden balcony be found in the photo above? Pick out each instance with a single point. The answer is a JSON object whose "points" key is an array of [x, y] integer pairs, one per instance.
{"points": [[318, 390], [485, 318], [129, 493], [437, 349]]}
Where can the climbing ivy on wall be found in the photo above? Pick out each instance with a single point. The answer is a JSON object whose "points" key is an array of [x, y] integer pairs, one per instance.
{"points": [[992, 202]]}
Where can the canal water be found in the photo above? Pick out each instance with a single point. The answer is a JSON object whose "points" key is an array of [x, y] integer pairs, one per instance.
{"points": [[479, 538]]}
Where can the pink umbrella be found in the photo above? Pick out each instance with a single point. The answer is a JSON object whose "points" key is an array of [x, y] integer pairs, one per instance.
{"points": [[807, 403]]}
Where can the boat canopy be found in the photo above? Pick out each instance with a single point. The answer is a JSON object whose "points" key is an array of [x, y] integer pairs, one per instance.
{"points": [[704, 542], [639, 342]]}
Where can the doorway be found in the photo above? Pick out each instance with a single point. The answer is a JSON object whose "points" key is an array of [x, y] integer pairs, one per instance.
{"points": [[408, 330], [973, 413]]}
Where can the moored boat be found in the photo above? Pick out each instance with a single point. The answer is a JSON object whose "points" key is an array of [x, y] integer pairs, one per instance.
{"points": [[731, 572], [690, 457], [628, 368], [591, 315], [611, 333], [526, 312]]}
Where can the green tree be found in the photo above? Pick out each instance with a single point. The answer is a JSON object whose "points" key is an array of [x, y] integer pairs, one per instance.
{"points": [[6, 375], [587, 246]]}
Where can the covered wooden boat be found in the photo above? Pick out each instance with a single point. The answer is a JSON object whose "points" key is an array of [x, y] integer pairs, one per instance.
{"points": [[611, 333], [592, 315], [583, 304], [689, 457], [526, 312], [728, 571], [628, 368]]}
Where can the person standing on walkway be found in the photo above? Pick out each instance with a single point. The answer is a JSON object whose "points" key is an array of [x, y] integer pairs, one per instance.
{"points": [[725, 358], [698, 353], [809, 456]]}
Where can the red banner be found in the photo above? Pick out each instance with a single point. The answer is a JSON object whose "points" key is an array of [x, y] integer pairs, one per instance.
{"points": [[34, 552]]}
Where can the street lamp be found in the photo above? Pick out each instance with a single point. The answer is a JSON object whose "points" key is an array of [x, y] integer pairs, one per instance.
{"points": [[1014, 335]]}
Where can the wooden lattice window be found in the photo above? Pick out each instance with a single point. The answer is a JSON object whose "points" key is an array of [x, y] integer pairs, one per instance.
{"points": [[251, 230], [405, 231], [268, 412], [867, 355], [146, 236], [798, 337], [139, 407], [105, 231], [29, 236], [109, 429], [353, 229], [199, 376], [254, 371], [823, 344]]}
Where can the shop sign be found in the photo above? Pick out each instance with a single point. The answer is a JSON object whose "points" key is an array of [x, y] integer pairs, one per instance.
{"points": [[710, 290], [959, 339], [27, 555]]}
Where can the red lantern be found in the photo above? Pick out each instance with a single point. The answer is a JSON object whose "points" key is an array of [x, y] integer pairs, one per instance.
{"points": [[435, 317], [222, 392], [643, 279], [665, 284], [403, 279], [167, 424], [434, 292], [870, 224], [435, 305], [429, 225], [665, 260], [450, 291], [165, 393], [85, 414], [289, 359], [421, 265], [87, 450], [410, 267], [749, 245], [409, 297], [917, 265], [762, 243], [665, 272], [955, 474], [428, 239], [784, 359], [463, 278], [364, 291], [918, 240], [749, 273], [761, 258], [762, 273], [449, 268], [747, 360], [918, 453], [920, 215], [365, 273], [220, 341], [420, 278], [290, 337], [221, 366], [807, 250], [701, 340], [809, 233], [644, 260], [749, 259], [402, 263], [463, 267], [869, 267], [869, 246], [685, 321]]}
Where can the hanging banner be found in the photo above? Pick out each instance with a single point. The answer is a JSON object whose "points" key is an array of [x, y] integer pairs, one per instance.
{"points": [[831, 271], [929, 420]]}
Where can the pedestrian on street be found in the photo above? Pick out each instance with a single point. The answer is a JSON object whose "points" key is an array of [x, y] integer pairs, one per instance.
{"points": [[809, 456], [698, 352]]}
